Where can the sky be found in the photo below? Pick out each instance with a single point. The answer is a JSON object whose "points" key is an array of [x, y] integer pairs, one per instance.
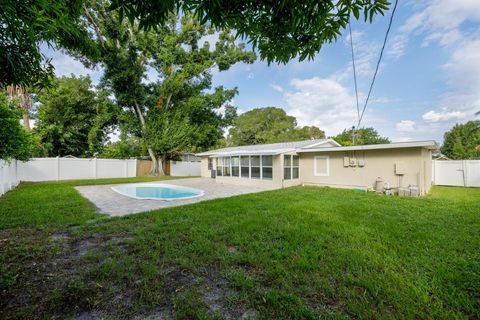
{"points": [[429, 78]]}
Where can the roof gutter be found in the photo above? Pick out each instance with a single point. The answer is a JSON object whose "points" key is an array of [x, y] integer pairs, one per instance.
{"points": [[245, 153], [431, 145]]}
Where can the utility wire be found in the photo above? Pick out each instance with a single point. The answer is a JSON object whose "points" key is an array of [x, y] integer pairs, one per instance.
{"points": [[378, 64], [354, 71]]}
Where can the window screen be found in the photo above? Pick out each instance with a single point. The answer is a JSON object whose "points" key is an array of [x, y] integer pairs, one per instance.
{"points": [[255, 167]]}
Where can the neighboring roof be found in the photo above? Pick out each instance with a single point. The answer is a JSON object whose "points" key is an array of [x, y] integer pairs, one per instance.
{"points": [[430, 144], [439, 156], [270, 149]]}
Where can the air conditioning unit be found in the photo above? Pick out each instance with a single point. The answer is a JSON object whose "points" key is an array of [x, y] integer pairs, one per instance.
{"points": [[400, 168]]}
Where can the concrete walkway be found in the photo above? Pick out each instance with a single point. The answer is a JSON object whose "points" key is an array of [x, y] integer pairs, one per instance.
{"points": [[110, 202]]}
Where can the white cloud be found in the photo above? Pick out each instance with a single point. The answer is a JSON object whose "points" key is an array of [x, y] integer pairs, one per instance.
{"points": [[434, 116], [405, 126], [251, 75], [366, 54], [448, 24], [382, 100], [397, 46], [463, 68], [323, 102], [438, 21], [276, 87], [442, 16]]}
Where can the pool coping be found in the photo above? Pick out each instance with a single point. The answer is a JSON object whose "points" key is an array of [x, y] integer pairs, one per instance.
{"points": [[115, 188], [110, 202]]}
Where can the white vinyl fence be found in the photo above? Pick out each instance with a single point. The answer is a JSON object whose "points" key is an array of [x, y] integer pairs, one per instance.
{"points": [[8, 176], [48, 169], [184, 168], [463, 173]]}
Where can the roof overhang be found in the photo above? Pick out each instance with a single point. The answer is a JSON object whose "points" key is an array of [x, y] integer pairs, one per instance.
{"points": [[248, 153], [430, 144]]}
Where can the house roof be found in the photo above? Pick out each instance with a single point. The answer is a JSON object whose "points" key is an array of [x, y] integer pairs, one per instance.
{"points": [[429, 144], [311, 146], [268, 149]]}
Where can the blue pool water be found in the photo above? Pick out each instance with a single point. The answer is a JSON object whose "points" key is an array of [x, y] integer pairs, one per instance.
{"points": [[157, 191]]}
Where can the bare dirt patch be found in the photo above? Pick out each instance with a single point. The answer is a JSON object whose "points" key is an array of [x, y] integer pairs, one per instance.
{"points": [[94, 276]]}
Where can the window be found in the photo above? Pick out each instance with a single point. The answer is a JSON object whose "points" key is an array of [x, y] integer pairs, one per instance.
{"points": [[287, 167], [235, 166], [321, 166], [210, 163], [219, 166], [245, 166], [226, 166], [295, 167], [255, 167], [290, 167], [267, 167]]}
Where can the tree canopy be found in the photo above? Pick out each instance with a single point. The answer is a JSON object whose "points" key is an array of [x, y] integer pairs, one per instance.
{"points": [[15, 141], [462, 141], [280, 30], [181, 90], [362, 136], [269, 125], [24, 25], [127, 147], [73, 118]]}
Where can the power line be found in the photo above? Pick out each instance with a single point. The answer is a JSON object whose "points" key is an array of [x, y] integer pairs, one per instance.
{"points": [[378, 63], [354, 71]]}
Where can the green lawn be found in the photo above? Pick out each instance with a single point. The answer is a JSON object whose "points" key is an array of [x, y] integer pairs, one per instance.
{"points": [[296, 253]]}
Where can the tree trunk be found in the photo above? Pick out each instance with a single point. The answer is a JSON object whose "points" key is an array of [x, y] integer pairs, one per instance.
{"points": [[154, 171], [163, 163], [155, 168], [24, 100], [26, 120]]}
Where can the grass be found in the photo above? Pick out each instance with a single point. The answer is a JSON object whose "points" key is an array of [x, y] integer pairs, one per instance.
{"points": [[296, 253], [53, 204]]}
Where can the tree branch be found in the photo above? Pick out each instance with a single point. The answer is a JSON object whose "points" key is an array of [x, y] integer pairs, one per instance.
{"points": [[95, 26]]}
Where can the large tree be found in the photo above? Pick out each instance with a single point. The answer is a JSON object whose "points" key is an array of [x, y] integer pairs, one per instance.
{"points": [[269, 125], [74, 118], [15, 141], [362, 136], [280, 30], [182, 84], [462, 141], [126, 147]]}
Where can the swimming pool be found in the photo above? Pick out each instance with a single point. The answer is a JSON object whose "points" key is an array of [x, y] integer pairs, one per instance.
{"points": [[157, 191]]}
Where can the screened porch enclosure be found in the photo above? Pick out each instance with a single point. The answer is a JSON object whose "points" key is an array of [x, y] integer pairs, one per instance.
{"points": [[247, 167]]}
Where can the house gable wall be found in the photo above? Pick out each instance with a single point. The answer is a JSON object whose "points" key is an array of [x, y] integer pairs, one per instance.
{"points": [[377, 163]]}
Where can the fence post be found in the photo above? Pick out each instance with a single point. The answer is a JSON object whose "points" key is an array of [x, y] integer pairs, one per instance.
{"points": [[2, 185], [9, 175], [16, 172], [95, 168], [465, 173], [126, 168], [58, 167]]}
